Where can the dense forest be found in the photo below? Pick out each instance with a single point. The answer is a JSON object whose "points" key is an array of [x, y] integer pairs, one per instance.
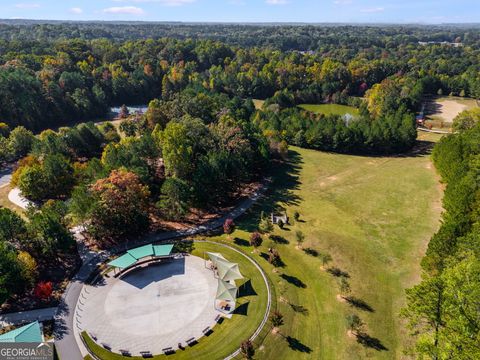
{"points": [[47, 82], [202, 140], [285, 37]]}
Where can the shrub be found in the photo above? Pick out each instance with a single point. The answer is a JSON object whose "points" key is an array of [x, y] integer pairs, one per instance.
{"points": [[296, 215], [29, 266], [43, 290], [354, 323], [280, 224], [300, 237], [256, 239], [247, 349], [326, 258], [265, 225], [228, 226], [276, 318], [344, 286], [274, 258]]}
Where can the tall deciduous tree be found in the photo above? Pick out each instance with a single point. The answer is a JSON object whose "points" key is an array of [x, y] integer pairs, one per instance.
{"points": [[177, 149], [121, 206], [175, 198]]}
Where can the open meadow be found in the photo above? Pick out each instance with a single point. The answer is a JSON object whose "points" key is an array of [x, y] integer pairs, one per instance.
{"points": [[374, 216]]}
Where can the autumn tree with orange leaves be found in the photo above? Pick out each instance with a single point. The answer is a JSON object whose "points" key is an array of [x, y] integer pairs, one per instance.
{"points": [[121, 206]]}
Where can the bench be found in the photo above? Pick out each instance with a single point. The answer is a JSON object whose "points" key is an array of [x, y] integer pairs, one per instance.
{"points": [[168, 351]]}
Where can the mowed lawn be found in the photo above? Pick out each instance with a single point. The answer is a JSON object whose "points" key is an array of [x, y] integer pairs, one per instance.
{"points": [[374, 216], [330, 109]]}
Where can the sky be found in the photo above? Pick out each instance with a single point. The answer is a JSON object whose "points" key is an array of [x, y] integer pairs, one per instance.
{"points": [[359, 11]]}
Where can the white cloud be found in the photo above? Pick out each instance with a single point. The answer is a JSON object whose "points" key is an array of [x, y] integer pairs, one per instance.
{"points": [[276, 2], [342, 2], [131, 10], [76, 10], [162, 2], [27, 6], [373, 10]]}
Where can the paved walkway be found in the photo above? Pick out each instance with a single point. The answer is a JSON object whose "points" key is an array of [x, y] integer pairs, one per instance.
{"points": [[27, 316], [65, 341], [16, 198]]}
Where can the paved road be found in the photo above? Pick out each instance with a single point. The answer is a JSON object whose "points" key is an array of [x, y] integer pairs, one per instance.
{"points": [[65, 342], [27, 316], [5, 176]]}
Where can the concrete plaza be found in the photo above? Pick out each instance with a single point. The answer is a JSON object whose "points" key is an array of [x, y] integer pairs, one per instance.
{"points": [[150, 309]]}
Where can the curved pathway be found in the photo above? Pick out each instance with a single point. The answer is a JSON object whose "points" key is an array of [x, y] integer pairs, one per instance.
{"points": [[65, 342], [15, 197]]}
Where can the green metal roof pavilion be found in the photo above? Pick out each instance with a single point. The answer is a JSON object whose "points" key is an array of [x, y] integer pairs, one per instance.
{"points": [[123, 261], [141, 251], [27, 333], [131, 256], [162, 250]]}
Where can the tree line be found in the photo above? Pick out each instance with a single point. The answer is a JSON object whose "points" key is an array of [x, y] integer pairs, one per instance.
{"points": [[48, 83], [443, 310]]}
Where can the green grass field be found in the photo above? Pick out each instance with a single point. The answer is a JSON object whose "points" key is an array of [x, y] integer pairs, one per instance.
{"points": [[330, 109], [375, 217], [228, 335]]}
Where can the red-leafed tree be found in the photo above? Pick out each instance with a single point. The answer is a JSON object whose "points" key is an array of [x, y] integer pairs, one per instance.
{"points": [[43, 290], [256, 239], [228, 226], [121, 207]]}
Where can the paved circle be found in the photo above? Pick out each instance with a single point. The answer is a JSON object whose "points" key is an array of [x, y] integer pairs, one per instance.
{"points": [[152, 308]]}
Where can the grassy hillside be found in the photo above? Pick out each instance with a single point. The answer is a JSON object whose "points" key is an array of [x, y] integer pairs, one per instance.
{"points": [[375, 217]]}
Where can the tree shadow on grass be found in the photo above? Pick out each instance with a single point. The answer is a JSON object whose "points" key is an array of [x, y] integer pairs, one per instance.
{"points": [[279, 239], [246, 289], [285, 180], [296, 345], [299, 309], [311, 252], [371, 342], [280, 262], [242, 309], [294, 281], [338, 272], [358, 303], [241, 242]]}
